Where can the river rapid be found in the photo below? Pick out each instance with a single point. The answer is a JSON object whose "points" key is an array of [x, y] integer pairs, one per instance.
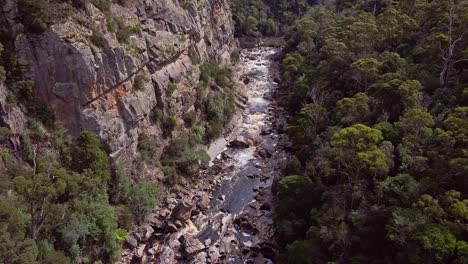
{"points": [[227, 216]]}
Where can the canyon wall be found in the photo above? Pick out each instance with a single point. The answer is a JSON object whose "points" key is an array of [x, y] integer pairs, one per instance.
{"points": [[115, 86]]}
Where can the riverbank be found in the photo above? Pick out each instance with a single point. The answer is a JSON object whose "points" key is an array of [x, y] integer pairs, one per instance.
{"points": [[226, 217]]}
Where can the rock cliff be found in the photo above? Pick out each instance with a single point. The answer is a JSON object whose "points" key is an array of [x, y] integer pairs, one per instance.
{"points": [[110, 70]]}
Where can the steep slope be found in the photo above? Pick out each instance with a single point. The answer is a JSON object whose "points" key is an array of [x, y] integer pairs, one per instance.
{"points": [[87, 65]]}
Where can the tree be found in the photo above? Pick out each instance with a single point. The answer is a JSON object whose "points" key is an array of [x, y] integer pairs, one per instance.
{"points": [[92, 228], [367, 70], [312, 119], [119, 186], [415, 127], [352, 110], [437, 242], [88, 155], [394, 25], [357, 151], [42, 191]]}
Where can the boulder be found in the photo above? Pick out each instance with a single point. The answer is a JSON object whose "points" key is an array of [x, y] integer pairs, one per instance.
{"points": [[131, 242], [166, 256], [203, 201], [170, 227], [182, 211], [144, 232], [191, 245]]}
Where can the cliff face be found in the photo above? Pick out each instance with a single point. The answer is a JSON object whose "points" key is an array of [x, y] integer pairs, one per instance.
{"points": [[112, 82]]}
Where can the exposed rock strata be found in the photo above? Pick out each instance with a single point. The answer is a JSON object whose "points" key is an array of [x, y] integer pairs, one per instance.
{"points": [[70, 70]]}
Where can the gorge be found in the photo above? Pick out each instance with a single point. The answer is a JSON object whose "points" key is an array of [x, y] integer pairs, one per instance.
{"points": [[234, 131]]}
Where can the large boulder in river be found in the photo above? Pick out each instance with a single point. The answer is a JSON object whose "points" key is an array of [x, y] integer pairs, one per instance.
{"points": [[182, 211]]}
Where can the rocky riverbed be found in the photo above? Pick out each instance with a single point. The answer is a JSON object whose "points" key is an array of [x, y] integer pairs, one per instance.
{"points": [[227, 216]]}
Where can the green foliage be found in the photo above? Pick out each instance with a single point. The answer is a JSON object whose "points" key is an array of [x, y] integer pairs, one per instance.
{"points": [[353, 110], [123, 31], [87, 155], [190, 118], [98, 38], [35, 14], [4, 133], [119, 186], [103, 5], [171, 88], [148, 147], [26, 148], [142, 198], [356, 146], [170, 123], [92, 229]]}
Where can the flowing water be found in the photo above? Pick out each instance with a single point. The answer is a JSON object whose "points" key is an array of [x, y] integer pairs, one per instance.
{"points": [[249, 174]]}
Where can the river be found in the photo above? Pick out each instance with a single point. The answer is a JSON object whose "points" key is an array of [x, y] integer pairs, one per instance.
{"points": [[227, 216]]}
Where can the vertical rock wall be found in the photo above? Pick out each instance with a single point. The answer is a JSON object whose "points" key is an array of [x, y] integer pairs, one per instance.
{"points": [[90, 85]]}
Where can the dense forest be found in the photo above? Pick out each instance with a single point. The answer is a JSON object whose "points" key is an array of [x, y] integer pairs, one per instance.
{"points": [[378, 97]]}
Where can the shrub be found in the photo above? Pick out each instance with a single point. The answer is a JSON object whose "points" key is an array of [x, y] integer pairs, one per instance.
{"points": [[156, 114], [171, 176], [171, 88], [23, 89], [103, 5], [98, 38], [175, 148], [26, 148], [191, 161], [119, 186], [212, 72], [235, 56], [35, 14], [214, 130], [170, 123], [220, 107], [197, 135], [38, 134], [4, 133], [147, 147], [190, 118], [124, 30], [88, 156], [143, 197], [121, 234], [141, 79]]}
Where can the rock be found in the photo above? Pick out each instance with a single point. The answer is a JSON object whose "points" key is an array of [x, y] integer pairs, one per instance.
{"points": [[239, 142], [144, 232], [131, 242], [199, 258], [216, 169], [246, 80], [170, 227], [140, 251], [265, 154], [182, 211], [166, 256], [154, 221], [203, 201], [191, 245]]}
